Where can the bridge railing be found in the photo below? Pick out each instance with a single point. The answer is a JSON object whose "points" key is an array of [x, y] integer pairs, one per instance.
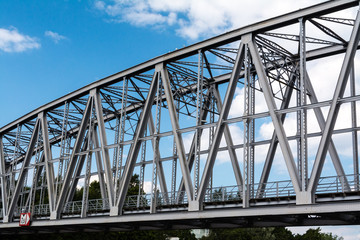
{"points": [[172, 198], [98, 205], [137, 201], [234, 193], [41, 210], [94, 205], [333, 184], [337, 184], [72, 207], [274, 189], [223, 194], [162, 199], [19, 210]]}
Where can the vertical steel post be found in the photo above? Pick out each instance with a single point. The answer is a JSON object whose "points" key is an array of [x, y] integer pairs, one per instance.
{"points": [[142, 170], [302, 113], [212, 101], [115, 163], [154, 190], [199, 106], [63, 157], [248, 149], [174, 163], [120, 147], [4, 199], [354, 133], [252, 133]]}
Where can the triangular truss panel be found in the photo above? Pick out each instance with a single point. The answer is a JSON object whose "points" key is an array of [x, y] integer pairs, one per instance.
{"points": [[260, 116]]}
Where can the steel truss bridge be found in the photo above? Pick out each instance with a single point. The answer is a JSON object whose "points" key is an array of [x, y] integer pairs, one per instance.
{"points": [[170, 119]]}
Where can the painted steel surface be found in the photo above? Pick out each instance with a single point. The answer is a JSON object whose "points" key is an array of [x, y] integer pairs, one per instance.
{"points": [[178, 114]]}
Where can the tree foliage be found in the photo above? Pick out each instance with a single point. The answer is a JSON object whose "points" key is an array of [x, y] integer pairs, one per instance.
{"points": [[134, 186], [315, 234], [95, 193], [270, 233]]}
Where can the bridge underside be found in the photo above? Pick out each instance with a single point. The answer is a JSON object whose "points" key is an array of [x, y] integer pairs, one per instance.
{"points": [[255, 127], [339, 213]]}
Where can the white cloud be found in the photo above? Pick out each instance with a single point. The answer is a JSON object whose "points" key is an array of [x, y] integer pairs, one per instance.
{"points": [[138, 13], [146, 18], [13, 41], [194, 19], [56, 37], [147, 186], [100, 5], [172, 6]]}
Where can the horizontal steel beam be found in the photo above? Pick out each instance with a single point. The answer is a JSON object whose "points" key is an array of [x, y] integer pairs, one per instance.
{"points": [[330, 212]]}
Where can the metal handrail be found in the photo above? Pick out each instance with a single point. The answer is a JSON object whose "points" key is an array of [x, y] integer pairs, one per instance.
{"points": [[333, 184]]}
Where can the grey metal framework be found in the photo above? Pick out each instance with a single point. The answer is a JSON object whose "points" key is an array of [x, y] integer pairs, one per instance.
{"points": [[136, 122]]}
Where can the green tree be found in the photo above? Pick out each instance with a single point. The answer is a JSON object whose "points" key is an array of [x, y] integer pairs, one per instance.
{"points": [[315, 234], [223, 234], [94, 190], [217, 195], [241, 234], [181, 234], [282, 233], [270, 233], [95, 193], [134, 186], [78, 194]]}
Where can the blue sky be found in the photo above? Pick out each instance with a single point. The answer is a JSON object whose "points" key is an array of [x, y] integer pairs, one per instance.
{"points": [[65, 45], [50, 48]]}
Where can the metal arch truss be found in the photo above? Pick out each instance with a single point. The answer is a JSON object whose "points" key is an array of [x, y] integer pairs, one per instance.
{"points": [[168, 119]]}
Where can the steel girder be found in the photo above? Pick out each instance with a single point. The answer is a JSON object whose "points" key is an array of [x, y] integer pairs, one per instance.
{"points": [[325, 214], [185, 104]]}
